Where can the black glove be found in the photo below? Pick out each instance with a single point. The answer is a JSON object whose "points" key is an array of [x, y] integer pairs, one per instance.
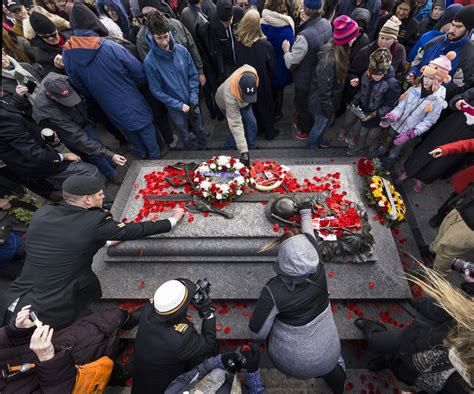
{"points": [[204, 308], [231, 361], [245, 159], [252, 356], [308, 204]]}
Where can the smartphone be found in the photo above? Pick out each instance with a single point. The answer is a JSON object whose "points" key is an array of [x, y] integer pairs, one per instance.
{"points": [[31, 85]]}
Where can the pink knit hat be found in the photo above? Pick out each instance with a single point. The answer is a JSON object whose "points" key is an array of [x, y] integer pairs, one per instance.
{"points": [[440, 67], [345, 29]]}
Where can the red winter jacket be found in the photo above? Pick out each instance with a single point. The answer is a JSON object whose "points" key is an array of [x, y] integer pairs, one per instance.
{"points": [[463, 178], [461, 146], [84, 341]]}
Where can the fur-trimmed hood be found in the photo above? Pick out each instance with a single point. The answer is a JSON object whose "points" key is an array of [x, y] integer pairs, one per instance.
{"points": [[60, 23]]}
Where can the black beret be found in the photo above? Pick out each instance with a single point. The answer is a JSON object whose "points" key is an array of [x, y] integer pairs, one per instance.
{"points": [[82, 185]]}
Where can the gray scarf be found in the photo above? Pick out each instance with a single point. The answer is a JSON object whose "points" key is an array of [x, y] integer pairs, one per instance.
{"points": [[20, 74]]}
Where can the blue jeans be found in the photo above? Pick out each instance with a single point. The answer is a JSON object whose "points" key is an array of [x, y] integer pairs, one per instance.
{"points": [[250, 127], [316, 134], [103, 164], [180, 120], [143, 141]]}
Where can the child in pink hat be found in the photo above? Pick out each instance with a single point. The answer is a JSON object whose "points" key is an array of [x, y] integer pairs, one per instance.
{"points": [[418, 109]]}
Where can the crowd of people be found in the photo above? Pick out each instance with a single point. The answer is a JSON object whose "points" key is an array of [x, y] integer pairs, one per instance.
{"points": [[395, 78]]}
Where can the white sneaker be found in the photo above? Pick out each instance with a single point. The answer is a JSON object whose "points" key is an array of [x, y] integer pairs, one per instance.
{"points": [[175, 141]]}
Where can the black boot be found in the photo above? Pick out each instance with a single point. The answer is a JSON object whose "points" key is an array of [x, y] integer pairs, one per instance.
{"points": [[378, 364]]}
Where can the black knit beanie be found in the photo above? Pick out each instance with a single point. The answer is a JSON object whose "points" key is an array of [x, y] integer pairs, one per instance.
{"points": [[41, 24], [224, 10], [149, 3], [466, 17], [83, 18]]}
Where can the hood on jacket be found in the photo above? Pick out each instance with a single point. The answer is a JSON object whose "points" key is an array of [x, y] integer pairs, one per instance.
{"points": [[297, 259], [82, 18], [85, 43], [390, 74], [60, 23], [117, 5], [361, 14], [157, 51]]}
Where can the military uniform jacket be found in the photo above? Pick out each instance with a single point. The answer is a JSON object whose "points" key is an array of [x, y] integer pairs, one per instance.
{"points": [[61, 241], [163, 351]]}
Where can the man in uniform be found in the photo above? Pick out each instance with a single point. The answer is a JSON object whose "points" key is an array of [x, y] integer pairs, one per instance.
{"points": [[167, 343], [57, 278]]}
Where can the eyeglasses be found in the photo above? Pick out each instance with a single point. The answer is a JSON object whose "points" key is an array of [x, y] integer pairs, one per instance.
{"points": [[244, 5], [47, 36]]}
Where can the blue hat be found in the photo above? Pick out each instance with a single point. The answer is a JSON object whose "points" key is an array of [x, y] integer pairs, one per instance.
{"points": [[313, 4]]}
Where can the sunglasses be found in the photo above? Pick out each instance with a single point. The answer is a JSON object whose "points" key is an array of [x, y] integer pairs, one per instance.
{"points": [[46, 36]]}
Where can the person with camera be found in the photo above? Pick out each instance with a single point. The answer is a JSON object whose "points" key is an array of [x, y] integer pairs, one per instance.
{"points": [[293, 310], [61, 241], [167, 343], [36, 358], [173, 80], [218, 374]]}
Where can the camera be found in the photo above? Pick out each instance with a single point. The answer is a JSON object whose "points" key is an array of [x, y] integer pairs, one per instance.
{"points": [[461, 265], [203, 287]]}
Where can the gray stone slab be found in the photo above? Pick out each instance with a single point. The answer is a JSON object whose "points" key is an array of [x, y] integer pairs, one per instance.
{"points": [[236, 316]]}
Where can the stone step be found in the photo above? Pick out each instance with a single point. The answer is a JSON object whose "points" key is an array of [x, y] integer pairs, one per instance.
{"points": [[233, 316], [244, 280], [358, 381]]}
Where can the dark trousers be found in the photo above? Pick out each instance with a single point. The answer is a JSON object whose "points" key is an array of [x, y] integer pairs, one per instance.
{"points": [[278, 100], [336, 379], [304, 119], [381, 340]]}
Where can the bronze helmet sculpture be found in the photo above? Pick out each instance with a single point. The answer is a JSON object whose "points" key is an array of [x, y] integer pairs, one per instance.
{"points": [[281, 209]]}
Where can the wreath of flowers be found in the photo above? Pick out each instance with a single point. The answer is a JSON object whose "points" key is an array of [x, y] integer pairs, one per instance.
{"points": [[267, 176], [224, 166], [381, 193]]}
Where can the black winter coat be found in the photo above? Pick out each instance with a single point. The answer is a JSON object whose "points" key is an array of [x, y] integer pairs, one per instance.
{"points": [[380, 97], [360, 62], [45, 53], [261, 56], [23, 149], [57, 277], [85, 341], [163, 351], [326, 91], [421, 165]]}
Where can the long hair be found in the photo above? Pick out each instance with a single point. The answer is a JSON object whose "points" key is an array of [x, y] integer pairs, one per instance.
{"points": [[12, 48], [459, 307], [411, 3], [277, 6], [287, 234], [249, 31], [340, 53]]}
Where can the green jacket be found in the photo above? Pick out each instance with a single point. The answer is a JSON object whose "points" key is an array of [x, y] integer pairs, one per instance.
{"points": [[181, 35]]}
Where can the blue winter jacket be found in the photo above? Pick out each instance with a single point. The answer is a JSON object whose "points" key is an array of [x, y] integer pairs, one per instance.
{"points": [[123, 22], [442, 47], [415, 112], [109, 73], [424, 39], [275, 36], [424, 12], [172, 76]]}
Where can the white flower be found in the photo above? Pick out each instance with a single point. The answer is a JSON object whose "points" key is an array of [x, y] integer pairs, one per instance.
{"points": [[238, 192], [218, 196], [224, 188], [223, 160], [203, 169], [205, 194], [212, 166], [219, 168], [205, 185], [381, 203], [196, 179], [238, 166], [240, 180]]}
